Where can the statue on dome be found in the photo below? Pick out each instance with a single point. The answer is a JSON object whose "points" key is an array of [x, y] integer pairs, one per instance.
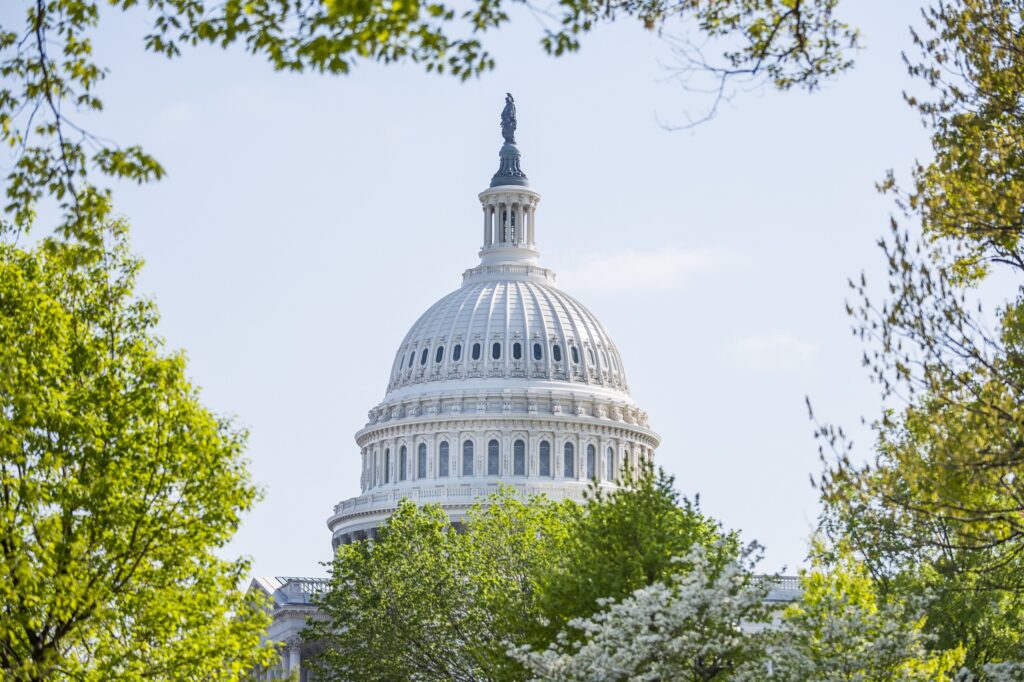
{"points": [[508, 119]]}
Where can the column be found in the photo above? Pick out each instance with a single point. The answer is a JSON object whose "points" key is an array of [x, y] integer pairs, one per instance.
{"points": [[487, 232], [520, 224], [295, 662], [533, 226]]}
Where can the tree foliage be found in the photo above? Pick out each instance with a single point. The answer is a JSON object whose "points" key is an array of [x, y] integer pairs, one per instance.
{"points": [[696, 625], [626, 539], [842, 630], [425, 601], [50, 75], [938, 511], [117, 487]]}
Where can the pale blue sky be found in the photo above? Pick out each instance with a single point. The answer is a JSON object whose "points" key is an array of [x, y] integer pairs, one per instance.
{"points": [[307, 221]]}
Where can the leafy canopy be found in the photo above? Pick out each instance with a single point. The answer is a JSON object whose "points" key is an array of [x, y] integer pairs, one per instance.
{"points": [[626, 539], [50, 76], [117, 487], [937, 513], [426, 601]]}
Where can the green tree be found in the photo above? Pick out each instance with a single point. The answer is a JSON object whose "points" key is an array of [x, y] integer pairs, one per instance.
{"points": [[117, 487], [702, 624], [624, 540], [938, 511], [426, 601], [842, 630], [50, 76]]}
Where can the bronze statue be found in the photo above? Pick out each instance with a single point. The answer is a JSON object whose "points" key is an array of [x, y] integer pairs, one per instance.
{"points": [[508, 119]]}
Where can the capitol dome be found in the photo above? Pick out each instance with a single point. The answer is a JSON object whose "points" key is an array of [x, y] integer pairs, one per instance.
{"points": [[507, 380], [509, 326]]}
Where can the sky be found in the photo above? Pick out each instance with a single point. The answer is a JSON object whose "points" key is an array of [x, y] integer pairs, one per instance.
{"points": [[307, 221]]}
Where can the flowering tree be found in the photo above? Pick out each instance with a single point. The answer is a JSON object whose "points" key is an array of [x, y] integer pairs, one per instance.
{"points": [[841, 630], [701, 624]]}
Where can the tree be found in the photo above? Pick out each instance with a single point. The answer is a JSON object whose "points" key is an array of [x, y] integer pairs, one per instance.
{"points": [[425, 601], [50, 74], [698, 625], [938, 512], [117, 487], [626, 539], [842, 630]]}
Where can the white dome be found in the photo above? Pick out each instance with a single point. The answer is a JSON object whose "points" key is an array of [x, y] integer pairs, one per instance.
{"points": [[491, 330], [505, 381]]}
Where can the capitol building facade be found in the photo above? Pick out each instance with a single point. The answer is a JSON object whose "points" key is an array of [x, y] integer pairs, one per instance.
{"points": [[507, 380]]}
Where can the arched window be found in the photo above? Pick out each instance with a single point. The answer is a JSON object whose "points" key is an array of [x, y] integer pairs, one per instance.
{"points": [[611, 464], [423, 356], [556, 353], [457, 352], [591, 463], [439, 355], [538, 351], [442, 460], [590, 355], [476, 351], [604, 358], [545, 458], [493, 453], [412, 359], [569, 463], [467, 458], [517, 351], [421, 461], [403, 463], [519, 458], [627, 462], [575, 355], [387, 465], [496, 351]]}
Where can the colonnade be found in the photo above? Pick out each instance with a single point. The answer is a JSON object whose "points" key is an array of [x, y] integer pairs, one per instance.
{"points": [[509, 222]]}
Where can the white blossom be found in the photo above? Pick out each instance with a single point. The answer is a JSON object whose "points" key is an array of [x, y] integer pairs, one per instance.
{"points": [[695, 626]]}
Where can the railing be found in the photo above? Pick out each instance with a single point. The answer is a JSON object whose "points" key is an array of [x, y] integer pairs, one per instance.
{"points": [[460, 492], [300, 590]]}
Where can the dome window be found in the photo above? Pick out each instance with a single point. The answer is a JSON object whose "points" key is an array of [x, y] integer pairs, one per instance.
{"points": [[403, 463], [538, 353], [604, 358], [442, 460], [421, 461], [517, 351], [493, 454], [556, 353], [591, 462], [496, 351], [575, 355], [412, 359], [467, 458], [457, 352], [476, 351], [519, 458], [387, 465], [590, 356], [423, 356], [439, 355], [570, 456], [611, 464], [545, 458]]}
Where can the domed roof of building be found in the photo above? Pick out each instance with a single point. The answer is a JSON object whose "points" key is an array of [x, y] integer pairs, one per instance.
{"points": [[508, 324], [514, 326]]}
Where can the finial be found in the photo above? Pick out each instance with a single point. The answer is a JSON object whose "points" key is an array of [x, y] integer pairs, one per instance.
{"points": [[509, 172]]}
